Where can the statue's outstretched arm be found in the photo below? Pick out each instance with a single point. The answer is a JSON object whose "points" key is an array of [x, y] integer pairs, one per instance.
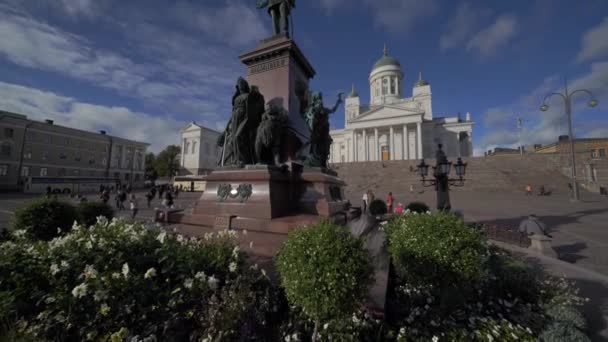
{"points": [[262, 3], [338, 102]]}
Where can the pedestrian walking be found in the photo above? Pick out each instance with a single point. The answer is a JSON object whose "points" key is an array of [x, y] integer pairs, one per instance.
{"points": [[169, 199], [528, 190], [364, 202], [399, 210], [117, 200], [134, 206], [370, 196], [149, 197]]}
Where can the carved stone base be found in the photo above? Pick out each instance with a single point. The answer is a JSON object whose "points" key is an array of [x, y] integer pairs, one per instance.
{"points": [[266, 199]]}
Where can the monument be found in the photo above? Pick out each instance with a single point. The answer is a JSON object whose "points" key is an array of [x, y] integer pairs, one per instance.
{"points": [[272, 174]]}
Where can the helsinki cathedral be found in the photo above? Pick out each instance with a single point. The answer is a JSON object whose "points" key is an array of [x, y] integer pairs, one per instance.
{"points": [[395, 127]]}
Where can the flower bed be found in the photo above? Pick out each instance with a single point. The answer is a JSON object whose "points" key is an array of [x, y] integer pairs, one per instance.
{"points": [[116, 280]]}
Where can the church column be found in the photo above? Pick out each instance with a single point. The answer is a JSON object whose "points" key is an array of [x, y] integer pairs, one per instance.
{"points": [[392, 143], [355, 147], [419, 138], [406, 147], [365, 147], [376, 145], [351, 154]]}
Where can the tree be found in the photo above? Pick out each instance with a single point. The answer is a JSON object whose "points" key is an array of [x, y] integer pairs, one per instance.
{"points": [[151, 173], [167, 162]]}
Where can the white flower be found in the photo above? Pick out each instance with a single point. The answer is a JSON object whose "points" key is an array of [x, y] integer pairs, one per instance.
{"points": [[235, 251], [115, 275], [88, 245], [263, 272], [80, 290], [254, 267], [288, 338], [232, 267], [200, 276], [90, 272], [188, 283], [435, 339], [58, 231], [212, 281], [161, 237], [19, 233], [180, 238], [151, 272], [428, 212], [54, 269], [490, 338], [75, 226], [355, 319], [104, 309], [102, 220], [325, 326], [125, 270]]}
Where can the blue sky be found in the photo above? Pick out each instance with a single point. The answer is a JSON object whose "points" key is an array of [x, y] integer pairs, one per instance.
{"points": [[144, 68]]}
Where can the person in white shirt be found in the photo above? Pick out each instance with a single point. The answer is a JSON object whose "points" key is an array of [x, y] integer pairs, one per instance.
{"points": [[134, 206], [364, 201]]}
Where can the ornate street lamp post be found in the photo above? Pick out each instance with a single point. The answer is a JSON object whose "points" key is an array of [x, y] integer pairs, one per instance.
{"points": [[441, 175], [567, 96]]}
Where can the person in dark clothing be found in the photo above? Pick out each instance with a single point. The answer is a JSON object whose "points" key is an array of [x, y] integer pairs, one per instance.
{"points": [[149, 197], [105, 196], [168, 199], [48, 191], [161, 190], [123, 199]]}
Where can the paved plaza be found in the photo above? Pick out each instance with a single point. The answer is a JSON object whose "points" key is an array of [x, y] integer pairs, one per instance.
{"points": [[580, 230]]}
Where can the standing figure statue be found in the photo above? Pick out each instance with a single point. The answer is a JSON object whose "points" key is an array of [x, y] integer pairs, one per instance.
{"points": [[237, 140], [317, 118], [279, 10], [270, 135]]}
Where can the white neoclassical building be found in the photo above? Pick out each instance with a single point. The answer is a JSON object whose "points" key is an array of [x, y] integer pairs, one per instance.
{"points": [[200, 152], [395, 127]]}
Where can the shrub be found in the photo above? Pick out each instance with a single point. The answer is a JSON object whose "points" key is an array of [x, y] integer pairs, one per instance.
{"points": [[563, 332], [418, 207], [42, 218], [325, 271], [436, 249], [378, 207], [89, 211], [116, 280]]}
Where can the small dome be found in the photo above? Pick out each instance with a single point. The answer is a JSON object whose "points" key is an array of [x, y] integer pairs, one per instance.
{"points": [[421, 82], [386, 60], [353, 93]]}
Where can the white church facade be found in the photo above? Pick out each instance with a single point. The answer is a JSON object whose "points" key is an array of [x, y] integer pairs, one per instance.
{"points": [[395, 127]]}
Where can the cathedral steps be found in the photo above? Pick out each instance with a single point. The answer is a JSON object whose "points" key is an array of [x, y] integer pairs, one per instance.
{"points": [[507, 173]]}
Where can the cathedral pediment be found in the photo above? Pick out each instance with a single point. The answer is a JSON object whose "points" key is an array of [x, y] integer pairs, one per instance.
{"points": [[385, 112]]}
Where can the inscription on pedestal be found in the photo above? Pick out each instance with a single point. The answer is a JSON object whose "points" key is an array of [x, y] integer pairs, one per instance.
{"points": [[223, 222], [262, 67]]}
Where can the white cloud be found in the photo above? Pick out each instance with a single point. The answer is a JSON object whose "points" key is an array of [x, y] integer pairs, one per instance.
{"points": [[544, 127], [594, 43], [66, 111], [235, 24], [78, 7], [461, 26], [487, 41], [401, 16]]}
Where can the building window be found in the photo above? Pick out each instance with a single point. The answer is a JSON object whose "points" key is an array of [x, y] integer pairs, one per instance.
{"points": [[9, 132], [377, 91], [104, 161], [77, 156], [5, 149], [595, 154], [45, 155], [27, 154], [61, 172], [76, 172], [91, 161], [29, 136], [193, 147], [62, 155], [126, 176], [393, 85], [384, 86], [187, 147], [3, 170], [43, 172], [602, 152], [25, 171]]}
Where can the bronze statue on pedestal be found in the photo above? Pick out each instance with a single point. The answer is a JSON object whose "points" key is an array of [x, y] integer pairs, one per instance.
{"points": [[317, 118], [279, 10]]}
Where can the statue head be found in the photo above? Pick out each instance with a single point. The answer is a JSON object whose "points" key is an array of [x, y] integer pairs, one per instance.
{"points": [[242, 84]]}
